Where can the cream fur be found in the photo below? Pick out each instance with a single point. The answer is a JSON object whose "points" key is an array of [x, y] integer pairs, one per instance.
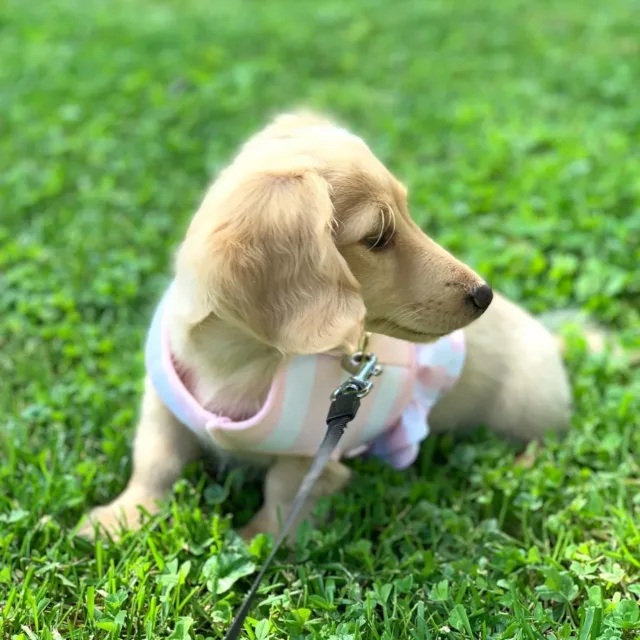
{"points": [[278, 261]]}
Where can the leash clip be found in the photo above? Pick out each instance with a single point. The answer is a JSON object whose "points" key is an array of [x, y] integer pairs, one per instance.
{"points": [[362, 366], [345, 402]]}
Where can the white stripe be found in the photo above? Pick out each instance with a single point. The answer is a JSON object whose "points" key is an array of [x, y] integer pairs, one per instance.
{"points": [[384, 401], [298, 387]]}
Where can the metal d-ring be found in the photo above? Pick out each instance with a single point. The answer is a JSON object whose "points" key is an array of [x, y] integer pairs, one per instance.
{"points": [[366, 366]]}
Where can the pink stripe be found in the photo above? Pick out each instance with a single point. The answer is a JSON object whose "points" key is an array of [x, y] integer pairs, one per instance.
{"points": [[410, 374], [434, 378], [188, 401], [313, 426], [405, 457], [397, 438]]}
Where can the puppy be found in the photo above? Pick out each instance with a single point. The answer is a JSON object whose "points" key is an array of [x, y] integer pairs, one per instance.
{"points": [[302, 242]]}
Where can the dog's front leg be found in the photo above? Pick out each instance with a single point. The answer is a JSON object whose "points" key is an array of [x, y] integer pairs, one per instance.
{"points": [[162, 448], [282, 482]]}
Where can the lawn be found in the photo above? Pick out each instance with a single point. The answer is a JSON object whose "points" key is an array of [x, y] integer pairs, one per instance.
{"points": [[516, 126]]}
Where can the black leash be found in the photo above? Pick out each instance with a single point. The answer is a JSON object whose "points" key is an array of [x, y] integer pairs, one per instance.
{"points": [[345, 402]]}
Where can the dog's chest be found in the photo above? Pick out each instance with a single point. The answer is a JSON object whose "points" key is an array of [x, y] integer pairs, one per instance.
{"points": [[293, 418], [391, 423]]}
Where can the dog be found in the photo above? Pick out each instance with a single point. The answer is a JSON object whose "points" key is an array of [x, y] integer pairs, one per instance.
{"points": [[302, 243]]}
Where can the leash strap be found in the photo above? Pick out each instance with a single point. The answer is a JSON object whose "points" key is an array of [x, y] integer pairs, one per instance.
{"points": [[345, 402]]}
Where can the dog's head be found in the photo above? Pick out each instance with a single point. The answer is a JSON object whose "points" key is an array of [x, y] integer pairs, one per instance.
{"points": [[306, 236]]}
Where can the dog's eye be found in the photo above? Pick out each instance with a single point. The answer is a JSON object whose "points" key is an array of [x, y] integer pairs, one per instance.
{"points": [[380, 241], [384, 236]]}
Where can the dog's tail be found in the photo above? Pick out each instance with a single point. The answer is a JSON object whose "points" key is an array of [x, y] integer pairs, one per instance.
{"points": [[597, 338]]}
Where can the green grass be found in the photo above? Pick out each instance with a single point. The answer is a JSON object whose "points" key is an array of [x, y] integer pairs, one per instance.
{"points": [[516, 126]]}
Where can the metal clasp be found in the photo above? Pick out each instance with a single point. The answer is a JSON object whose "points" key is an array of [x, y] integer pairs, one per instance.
{"points": [[365, 366], [349, 363]]}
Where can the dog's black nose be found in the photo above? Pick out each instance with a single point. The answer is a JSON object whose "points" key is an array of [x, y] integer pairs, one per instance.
{"points": [[481, 296]]}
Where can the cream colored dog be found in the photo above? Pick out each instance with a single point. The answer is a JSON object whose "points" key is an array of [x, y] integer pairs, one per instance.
{"points": [[301, 241]]}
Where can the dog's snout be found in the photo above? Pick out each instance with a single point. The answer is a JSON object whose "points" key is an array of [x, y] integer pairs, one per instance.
{"points": [[481, 296]]}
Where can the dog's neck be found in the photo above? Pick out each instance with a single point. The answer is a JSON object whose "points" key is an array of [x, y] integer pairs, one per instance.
{"points": [[227, 371]]}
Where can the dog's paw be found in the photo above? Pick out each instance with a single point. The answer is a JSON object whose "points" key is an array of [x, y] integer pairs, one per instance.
{"points": [[267, 523], [261, 523], [116, 518], [100, 521]]}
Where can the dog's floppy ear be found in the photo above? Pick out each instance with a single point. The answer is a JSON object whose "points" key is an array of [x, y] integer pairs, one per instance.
{"points": [[260, 254]]}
